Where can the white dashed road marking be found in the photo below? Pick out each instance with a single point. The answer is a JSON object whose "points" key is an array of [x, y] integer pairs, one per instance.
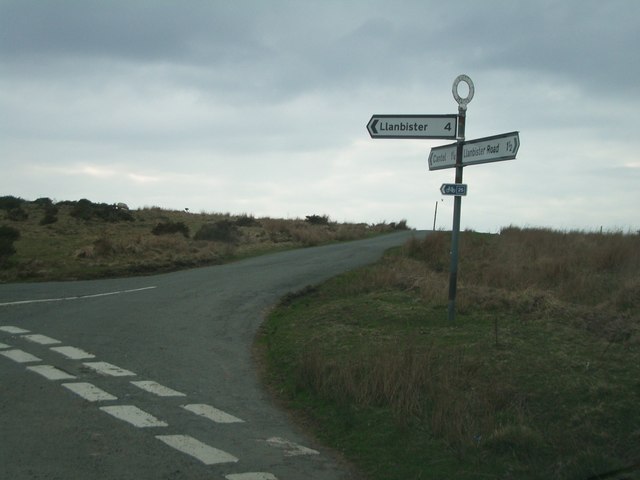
{"points": [[20, 356], [251, 476], [189, 445], [89, 392], [50, 372], [105, 368], [290, 449], [212, 413], [157, 389], [73, 353], [14, 330], [62, 299], [134, 416], [41, 339], [130, 413]]}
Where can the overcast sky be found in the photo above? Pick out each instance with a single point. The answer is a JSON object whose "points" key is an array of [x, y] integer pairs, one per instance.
{"points": [[261, 107]]}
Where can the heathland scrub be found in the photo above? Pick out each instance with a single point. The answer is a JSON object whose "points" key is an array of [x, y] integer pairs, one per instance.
{"points": [[538, 378], [46, 240]]}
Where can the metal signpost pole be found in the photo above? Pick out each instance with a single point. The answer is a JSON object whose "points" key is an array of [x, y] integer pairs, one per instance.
{"points": [[455, 155], [435, 216], [455, 232], [459, 155]]}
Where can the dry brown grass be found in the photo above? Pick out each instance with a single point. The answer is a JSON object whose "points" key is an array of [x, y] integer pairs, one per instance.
{"points": [[307, 234], [598, 270], [411, 380], [72, 248]]}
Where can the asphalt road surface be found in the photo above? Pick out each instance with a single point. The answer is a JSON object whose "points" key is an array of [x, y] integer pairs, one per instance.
{"points": [[152, 378]]}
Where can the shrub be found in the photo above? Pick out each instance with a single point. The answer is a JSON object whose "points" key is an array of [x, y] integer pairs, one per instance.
{"points": [[401, 225], [50, 214], [43, 202], [167, 228], [111, 213], [8, 235], [247, 221], [317, 219], [82, 209], [48, 219], [9, 202], [221, 231], [86, 210], [17, 214]]}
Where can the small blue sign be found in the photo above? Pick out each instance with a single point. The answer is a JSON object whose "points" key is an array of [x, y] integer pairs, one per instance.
{"points": [[457, 189]]}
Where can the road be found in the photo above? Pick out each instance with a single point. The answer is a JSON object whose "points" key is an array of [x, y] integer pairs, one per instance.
{"points": [[152, 377]]}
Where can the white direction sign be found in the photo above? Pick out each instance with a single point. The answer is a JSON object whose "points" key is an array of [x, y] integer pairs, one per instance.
{"points": [[481, 150], [413, 126]]}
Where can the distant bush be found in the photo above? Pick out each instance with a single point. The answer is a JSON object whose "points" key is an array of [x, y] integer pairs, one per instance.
{"points": [[17, 214], [401, 225], [9, 202], [82, 209], [43, 202], [8, 235], [167, 228], [50, 214], [86, 210], [247, 221], [317, 219], [221, 231]]}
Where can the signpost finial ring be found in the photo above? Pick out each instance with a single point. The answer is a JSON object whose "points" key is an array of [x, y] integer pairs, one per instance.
{"points": [[462, 102]]}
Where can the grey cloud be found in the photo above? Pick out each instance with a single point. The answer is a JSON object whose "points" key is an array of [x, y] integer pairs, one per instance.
{"points": [[132, 30], [585, 42]]}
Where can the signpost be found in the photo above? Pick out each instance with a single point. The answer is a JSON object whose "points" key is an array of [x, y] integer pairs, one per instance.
{"points": [[482, 150], [453, 189], [412, 126], [456, 155]]}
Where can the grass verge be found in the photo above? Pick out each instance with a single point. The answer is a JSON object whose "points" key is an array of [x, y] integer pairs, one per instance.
{"points": [[539, 377]]}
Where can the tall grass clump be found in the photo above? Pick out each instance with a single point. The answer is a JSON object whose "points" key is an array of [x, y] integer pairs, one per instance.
{"points": [[168, 228], [414, 381], [221, 231], [433, 251]]}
